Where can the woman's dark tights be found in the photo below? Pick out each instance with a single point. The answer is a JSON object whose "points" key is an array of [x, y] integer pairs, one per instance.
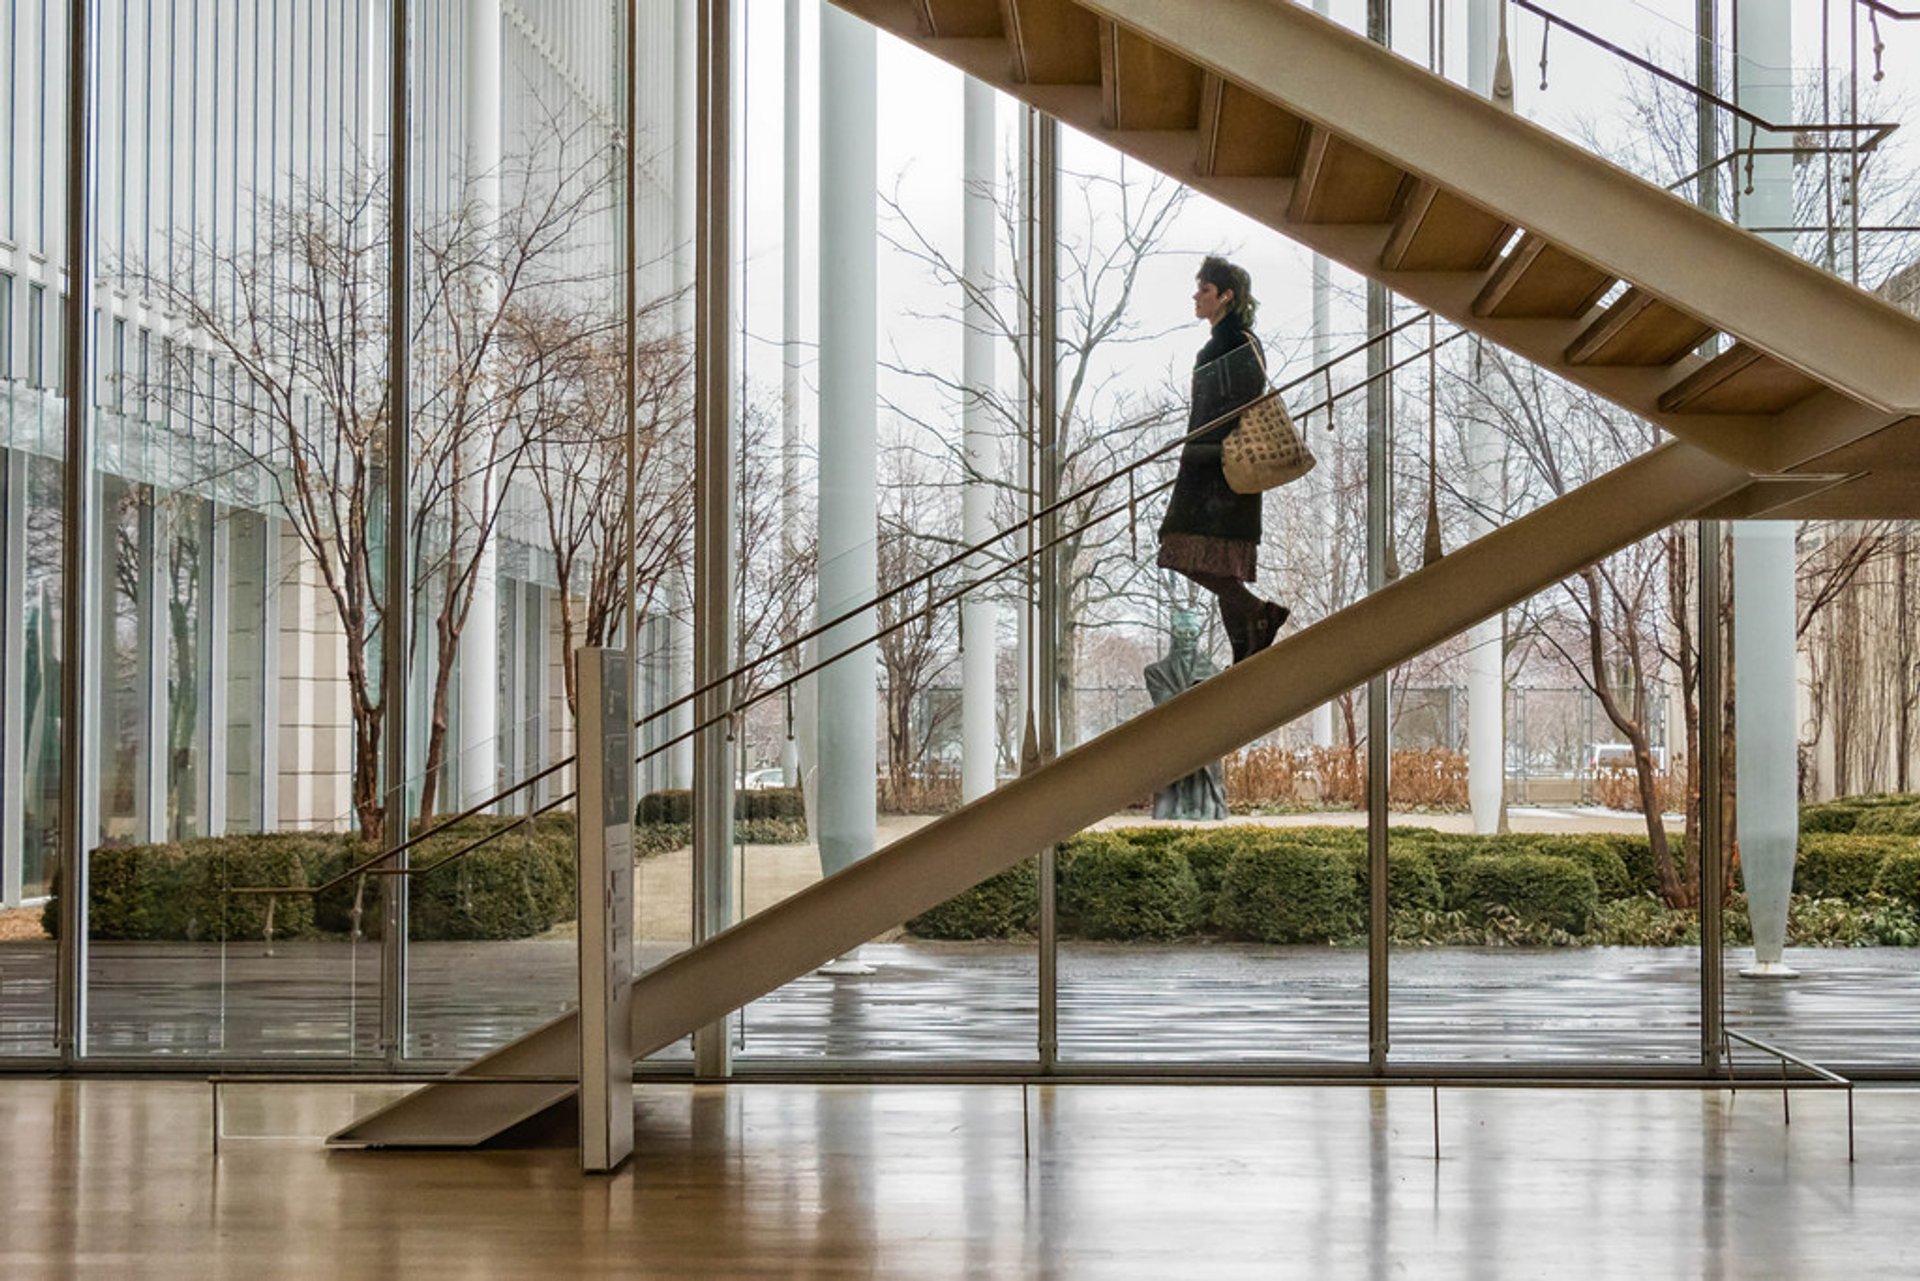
{"points": [[1237, 606]]}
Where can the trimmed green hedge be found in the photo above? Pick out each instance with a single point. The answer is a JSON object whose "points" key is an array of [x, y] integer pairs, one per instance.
{"points": [[1599, 855], [1538, 889], [517, 886], [1899, 877], [1834, 818], [1843, 867], [1114, 888], [1003, 905], [676, 805], [1288, 893]]}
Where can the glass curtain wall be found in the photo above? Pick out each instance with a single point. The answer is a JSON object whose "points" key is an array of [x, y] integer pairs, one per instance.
{"points": [[238, 720], [33, 247]]}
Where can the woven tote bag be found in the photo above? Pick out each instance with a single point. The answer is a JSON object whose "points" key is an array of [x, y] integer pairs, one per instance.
{"points": [[1264, 449]]}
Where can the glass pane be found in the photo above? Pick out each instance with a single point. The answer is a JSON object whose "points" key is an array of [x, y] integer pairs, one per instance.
{"points": [[232, 168], [518, 444], [1816, 965], [33, 249]]}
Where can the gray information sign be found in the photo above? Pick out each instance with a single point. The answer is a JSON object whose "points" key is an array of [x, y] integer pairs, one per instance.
{"points": [[605, 835]]}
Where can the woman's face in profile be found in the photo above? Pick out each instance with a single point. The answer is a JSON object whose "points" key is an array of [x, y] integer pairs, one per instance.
{"points": [[1209, 304]]}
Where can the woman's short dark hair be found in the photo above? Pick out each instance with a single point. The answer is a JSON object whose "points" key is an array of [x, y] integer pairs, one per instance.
{"points": [[1224, 276]]}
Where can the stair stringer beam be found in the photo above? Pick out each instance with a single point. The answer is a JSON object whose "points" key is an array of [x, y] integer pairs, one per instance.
{"points": [[954, 853]]}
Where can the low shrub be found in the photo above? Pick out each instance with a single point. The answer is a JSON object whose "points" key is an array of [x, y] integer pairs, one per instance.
{"points": [[1888, 820], [1209, 850], [518, 885], [749, 804], [1002, 906], [1600, 855], [1643, 876], [179, 891], [1411, 881], [1899, 877], [651, 839], [1842, 867], [1535, 888], [1833, 818], [1112, 888], [1283, 891]]}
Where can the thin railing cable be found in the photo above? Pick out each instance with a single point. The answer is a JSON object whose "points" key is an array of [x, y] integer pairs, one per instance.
{"points": [[370, 865]]}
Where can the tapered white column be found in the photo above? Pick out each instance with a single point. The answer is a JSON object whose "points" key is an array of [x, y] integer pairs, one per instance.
{"points": [[478, 723], [849, 291], [1765, 686], [790, 390], [977, 614], [1485, 476]]}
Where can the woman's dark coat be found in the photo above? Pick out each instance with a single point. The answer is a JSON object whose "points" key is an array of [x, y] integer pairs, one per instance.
{"points": [[1202, 501]]}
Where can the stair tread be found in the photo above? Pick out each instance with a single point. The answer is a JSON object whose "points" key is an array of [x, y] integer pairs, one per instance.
{"points": [[1344, 183], [1145, 86], [1441, 231], [962, 18], [1055, 42], [1638, 329], [1740, 380], [1242, 135], [1540, 280]]}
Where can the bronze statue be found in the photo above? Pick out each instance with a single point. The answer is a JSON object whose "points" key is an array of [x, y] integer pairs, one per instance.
{"points": [[1201, 794]]}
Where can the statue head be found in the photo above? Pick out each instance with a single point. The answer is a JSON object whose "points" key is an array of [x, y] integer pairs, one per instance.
{"points": [[1185, 628]]}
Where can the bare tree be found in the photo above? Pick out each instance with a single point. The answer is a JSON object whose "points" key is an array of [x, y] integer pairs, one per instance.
{"points": [[577, 470], [920, 643], [1123, 222], [278, 355]]}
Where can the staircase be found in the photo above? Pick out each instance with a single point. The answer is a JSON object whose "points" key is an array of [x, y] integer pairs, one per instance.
{"points": [[1507, 230]]}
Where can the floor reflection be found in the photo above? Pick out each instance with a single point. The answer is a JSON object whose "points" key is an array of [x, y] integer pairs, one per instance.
{"points": [[931, 1003]]}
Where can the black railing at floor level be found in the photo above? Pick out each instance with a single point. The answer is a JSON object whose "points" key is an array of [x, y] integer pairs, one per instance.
{"points": [[372, 865]]}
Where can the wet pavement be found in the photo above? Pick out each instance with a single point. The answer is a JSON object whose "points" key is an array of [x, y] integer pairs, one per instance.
{"points": [[931, 1004]]}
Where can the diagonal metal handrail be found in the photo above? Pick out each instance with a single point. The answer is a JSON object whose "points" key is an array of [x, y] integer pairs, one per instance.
{"points": [[1876, 131], [371, 865]]}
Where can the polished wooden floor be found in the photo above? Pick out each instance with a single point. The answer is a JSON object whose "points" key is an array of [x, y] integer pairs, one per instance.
{"points": [[117, 1178]]}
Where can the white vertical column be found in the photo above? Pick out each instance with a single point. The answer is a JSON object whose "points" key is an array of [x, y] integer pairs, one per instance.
{"points": [[1765, 688], [678, 657], [849, 291], [1485, 468], [480, 638], [978, 744], [790, 390]]}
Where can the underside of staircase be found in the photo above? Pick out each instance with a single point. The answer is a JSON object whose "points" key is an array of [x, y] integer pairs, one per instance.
{"points": [[1789, 394]]}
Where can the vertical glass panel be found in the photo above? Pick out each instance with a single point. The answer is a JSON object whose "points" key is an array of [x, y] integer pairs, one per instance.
{"points": [[1540, 899], [1850, 911], [33, 248], [240, 249], [518, 439], [958, 987]]}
